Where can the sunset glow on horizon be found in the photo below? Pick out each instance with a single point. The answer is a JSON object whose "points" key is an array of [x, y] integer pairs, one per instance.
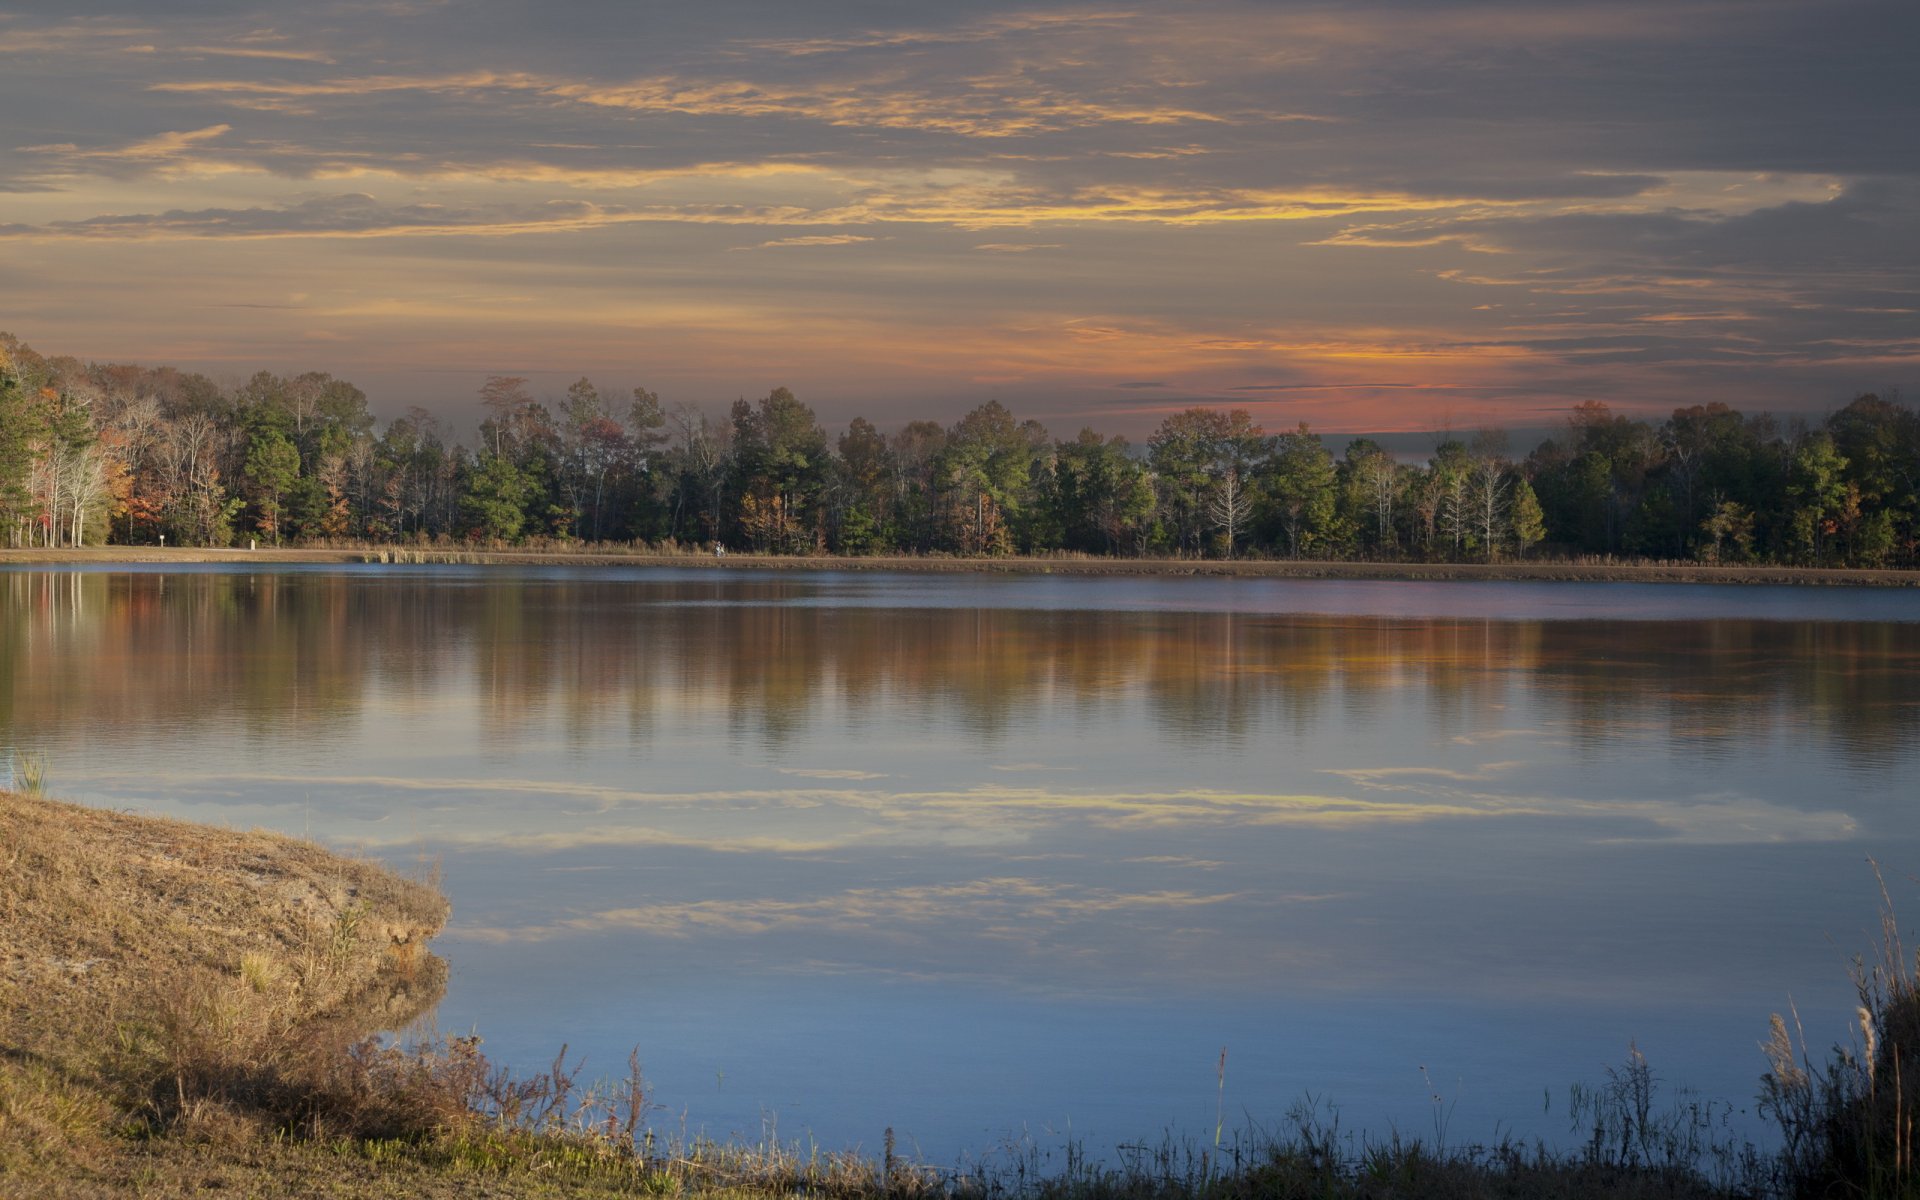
{"points": [[1381, 215]]}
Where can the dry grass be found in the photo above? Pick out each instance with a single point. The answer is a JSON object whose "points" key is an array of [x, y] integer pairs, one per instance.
{"points": [[162, 978], [1849, 1122]]}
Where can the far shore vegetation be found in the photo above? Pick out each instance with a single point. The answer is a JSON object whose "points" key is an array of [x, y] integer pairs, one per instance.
{"points": [[95, 454], [187, 1011]]}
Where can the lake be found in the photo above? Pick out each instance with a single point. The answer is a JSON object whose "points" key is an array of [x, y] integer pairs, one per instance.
{"points": [[1003, 860]]}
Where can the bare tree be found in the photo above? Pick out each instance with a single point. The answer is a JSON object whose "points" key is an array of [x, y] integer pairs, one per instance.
{"points": [[1456, 507], [1229, 506], [190, 459], [1490, 489]]}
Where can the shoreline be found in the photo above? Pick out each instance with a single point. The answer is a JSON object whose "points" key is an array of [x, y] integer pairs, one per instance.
{"points": [[1509, 572]]}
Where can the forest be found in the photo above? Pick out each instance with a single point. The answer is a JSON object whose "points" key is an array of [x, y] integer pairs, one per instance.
{"points": [[94, 453]]}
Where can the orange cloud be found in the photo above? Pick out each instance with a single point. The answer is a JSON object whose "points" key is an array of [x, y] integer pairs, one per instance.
{"points": [[312, 56], [997, 107], [163, 147], [991, 29], [832, 239]]}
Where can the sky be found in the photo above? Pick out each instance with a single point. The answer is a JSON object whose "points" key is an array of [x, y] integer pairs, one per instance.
{"points": [[1380, 214]]}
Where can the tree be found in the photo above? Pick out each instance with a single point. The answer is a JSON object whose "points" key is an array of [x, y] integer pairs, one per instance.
{"points": [[1450, 476], [1488, 485], [1300, 480], [916, 452], [273, 465], [1189, 454], [508, 405], [71, 473], [1729, 521], [1371, 491], [1229, 508], [198, 509], [986, 472], [594, 452], [131, 435], [493, 502], [1528, 522], [864, 488], [1594, 476], [1101, 499], [335, 517], [17, 421], [1817, 492], [1880, 439], [417, 493], [696, 472], [781, 466]]}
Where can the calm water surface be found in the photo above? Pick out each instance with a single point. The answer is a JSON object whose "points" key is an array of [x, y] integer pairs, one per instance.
{"points": [[987, 858]]}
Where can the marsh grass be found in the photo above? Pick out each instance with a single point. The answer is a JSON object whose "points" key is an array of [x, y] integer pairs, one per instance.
{"points": [[27, 773], [1848, 1120], [1312, 1156]]}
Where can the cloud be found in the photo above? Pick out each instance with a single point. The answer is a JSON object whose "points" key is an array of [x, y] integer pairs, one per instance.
{"points": [[83, 38], [990, 29], [1390, 778], [260, 52], [987, 109], [829, 199], [1377, 386], [998, 901], [160, 148], [828, 773], [828, 239], [1003, 108], [352, 215]]}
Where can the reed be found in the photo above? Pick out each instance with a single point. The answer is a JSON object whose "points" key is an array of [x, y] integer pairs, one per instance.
{"points": [[1848, 1118]]}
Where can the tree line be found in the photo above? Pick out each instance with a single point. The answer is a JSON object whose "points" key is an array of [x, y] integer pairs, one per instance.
{"points": [[93, 453]]}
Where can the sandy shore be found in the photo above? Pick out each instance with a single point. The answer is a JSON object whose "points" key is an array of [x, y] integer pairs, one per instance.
{"points": [[1559, 572]]}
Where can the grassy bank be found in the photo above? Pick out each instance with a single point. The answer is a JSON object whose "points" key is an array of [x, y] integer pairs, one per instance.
{"points": [[625, 555], [173, 998], [185, 1011]]}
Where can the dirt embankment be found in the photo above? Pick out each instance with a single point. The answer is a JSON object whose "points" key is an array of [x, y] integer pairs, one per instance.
{"points": [[1544, 572], [108, 907], [164, 984]]}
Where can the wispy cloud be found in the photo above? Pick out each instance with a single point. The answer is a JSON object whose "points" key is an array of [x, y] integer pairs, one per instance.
{"points": [[260, 52], [998, 901], [356, 215], [986, 30], [816, 239], [981, 109], [167, 147]]}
